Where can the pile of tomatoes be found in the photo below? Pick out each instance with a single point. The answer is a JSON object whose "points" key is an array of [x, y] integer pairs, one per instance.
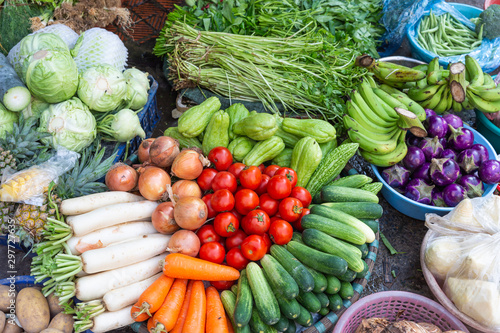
{"points": [[252, 208]]}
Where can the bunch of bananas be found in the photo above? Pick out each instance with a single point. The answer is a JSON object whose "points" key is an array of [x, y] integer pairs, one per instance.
{"points": [[482, 92]]}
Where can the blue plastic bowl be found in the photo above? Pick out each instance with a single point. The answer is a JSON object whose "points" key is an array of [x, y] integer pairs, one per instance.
{"points": [[419, 52], [417, 210]]}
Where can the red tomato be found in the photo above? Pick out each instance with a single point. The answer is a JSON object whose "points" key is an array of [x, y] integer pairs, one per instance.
{"points": [[263, 185], [213, 251], [236, 239], [221, 157], [224, 180], [281, 232], [207, 234], [235, 213], [254, 247], [222, 285], [262, 167], [222, 200], [297, 224], [226, 224], [250, 177], [275, 218], [290, 209], [268, 204], [302, 194], [289, 173], [206, 200], [245, 201], [256, 222], [236, 169], [205, 179], [279, 187], [268, 242], [236, 259], [271, 170]]}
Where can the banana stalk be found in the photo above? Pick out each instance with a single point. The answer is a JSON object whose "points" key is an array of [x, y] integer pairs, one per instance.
{"points": [[457, 81], [409, 121]]}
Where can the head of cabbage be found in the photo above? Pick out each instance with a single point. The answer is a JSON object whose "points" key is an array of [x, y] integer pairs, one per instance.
{"points": [[71, 124], [35, 108], [7, 120], [103, 88]]}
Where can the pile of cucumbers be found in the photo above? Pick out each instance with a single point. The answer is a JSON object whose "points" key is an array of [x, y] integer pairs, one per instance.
{"points": [[314, 272]]}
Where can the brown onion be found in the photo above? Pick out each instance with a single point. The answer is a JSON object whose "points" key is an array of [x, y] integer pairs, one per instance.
{"points": [[153, 183], [163, 151], [189, 164], [190, 213], [185, 188], [143, 150], [121, 177], [185, 242], [163, 219]]}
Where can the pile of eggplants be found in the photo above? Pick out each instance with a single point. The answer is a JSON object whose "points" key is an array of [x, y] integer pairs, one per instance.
{"points": [[445, 167]]}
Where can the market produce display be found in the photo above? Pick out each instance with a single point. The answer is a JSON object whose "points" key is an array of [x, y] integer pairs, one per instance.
{"points": [[383, 325]]}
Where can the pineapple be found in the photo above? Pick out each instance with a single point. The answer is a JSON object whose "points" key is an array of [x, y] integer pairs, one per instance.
{"points": [[6, 160], [6, 213]]}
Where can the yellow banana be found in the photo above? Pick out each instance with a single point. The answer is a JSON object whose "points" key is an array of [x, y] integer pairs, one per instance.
{"points": [[432, 102], [475, 72], [392, 158], [367, 143], [352, 125], [423, 94], [481, 104], [371, 100], [369, 113]]}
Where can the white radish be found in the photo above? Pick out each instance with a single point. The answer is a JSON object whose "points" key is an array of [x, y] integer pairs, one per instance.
{"points": [[124, 253], [104, 237], [87, 203], [111, 215], [95, 286], [108, 321], [117, 299], [81, 273]]}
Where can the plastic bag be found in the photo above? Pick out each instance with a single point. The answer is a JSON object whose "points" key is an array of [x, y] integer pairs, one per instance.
{"points": [[29, 185], [464, 256]]}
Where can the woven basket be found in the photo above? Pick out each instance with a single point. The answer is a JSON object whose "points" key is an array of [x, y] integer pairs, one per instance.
{"points": [[441, 296]]}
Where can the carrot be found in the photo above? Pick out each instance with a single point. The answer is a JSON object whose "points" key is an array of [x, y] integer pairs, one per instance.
{"points": [[230, 328], [181, 266], [166, 316], [150, 324], [197, 311], [216, 316], [151, 299], [181, 318]]}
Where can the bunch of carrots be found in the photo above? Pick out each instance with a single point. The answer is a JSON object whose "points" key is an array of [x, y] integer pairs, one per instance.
{"points": [[178, 302]]}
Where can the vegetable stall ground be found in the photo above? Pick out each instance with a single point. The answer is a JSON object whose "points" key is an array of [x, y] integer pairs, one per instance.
{"points": [[399, 271]]}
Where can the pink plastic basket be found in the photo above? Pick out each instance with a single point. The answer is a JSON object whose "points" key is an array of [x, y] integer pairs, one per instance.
{"points": [[386, 304]]}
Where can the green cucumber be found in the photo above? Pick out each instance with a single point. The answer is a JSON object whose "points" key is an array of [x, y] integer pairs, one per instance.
{"points": [[320, 282], [294, 267], [323, 242], [323, 299], [282, 324], [371, 223], [354, 181], [258, 325], [234, 289], [320, 261], [324, 311], [363, 248], [297, 236], [265, 302], [244, 301], [335, 193], [345, 218], [290, 308], [305, 318], [346, 291], [280, 281], [228, 299], [360, 210], [333, 285], [291, 326], [309, 301], [363, 273], [335, 302], [333, 228], [348, 276]]}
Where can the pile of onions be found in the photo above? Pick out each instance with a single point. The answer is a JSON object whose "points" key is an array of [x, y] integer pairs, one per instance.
{"points": [[190, 213], [143, 150], [189, 164], [163, 219], [185, 242], [163, 151], [185, 188], [153, 183], [121, 177]]}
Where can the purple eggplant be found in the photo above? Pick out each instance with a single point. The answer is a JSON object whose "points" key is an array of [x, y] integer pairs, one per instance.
{"points": [[418, 190], [429, 113], [453, 194], [444, 142], [432, 148], [437, 198], [422, 172], [469, 160], [437, 126], [460, 138], [449, 153], [444, 171], [472, 184], [412, 140], [414, 158], [483, 152], [453, 120], [396, 176], [489, 172]]}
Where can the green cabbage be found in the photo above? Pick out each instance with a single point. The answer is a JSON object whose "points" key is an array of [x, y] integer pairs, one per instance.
{"points": [[51, 76], [103, 88], [35, 108], [7, 120], [71, 124]]}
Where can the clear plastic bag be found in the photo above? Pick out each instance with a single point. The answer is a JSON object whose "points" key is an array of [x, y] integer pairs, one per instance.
{"points": [[29, 185]]}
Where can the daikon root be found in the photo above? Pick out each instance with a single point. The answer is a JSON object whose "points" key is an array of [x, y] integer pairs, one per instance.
{"points": [[87, 203]]}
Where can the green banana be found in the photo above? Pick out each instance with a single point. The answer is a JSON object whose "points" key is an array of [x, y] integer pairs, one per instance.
{"points": [[369, 144], [392, 158], [475, 72], [481, 104], [433, 66], [421, 84], [457, 107], [488, 82], [433, 101], [369, 113], [366, 92], [422, 94], [371, 81], [391, 101], [354, 111], [441, 106], [450, 100], [438, 77], [488, 94], [421, 67], [467, 105], [387, 108], [411, 105], [388, 89], [352, 125], [391, 72]]}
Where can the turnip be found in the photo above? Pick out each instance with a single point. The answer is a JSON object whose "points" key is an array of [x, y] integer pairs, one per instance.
{"points": [[122, 126], [87, 203], [108, 321]]}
